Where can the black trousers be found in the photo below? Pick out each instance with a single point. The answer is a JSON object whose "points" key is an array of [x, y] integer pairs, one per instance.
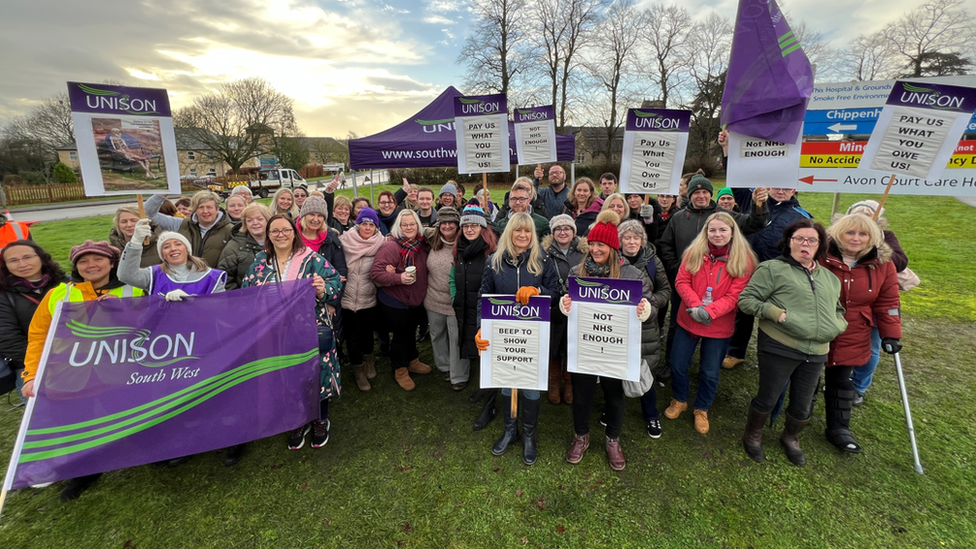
{"points": [[775, 371], [584, 391], [359, 327], [742, 335], [403, 323]]}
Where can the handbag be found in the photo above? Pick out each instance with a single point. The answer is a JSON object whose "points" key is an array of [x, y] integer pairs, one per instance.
{"points": [[8, 378], [907, 280], [636, 389]]}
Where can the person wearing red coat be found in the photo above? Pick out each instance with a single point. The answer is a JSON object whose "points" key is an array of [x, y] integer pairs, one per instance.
{"points": [[860, 259], [714, 270]]}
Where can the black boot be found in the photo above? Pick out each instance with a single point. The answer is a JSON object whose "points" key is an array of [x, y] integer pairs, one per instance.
{"points": [[233, 455], [752, 438], [530, 417], [509, 436], [78, 485], [838, 404], [791, 441], [488, 410], [477, 395]]}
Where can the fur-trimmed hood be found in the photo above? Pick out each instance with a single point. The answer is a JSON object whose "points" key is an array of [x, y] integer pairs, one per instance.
{"points": [[579, 244]]}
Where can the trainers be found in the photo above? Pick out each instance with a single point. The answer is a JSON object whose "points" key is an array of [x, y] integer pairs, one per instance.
{"points": [[296, 439], [576, 450], [701, 421], [603, 419], [675, 409], [615, 455], [320, 433], [654, 428], [858, 398], [731, 362]]}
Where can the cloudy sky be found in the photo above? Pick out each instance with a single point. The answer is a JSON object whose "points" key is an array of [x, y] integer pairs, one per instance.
{"points": [[350, 65]]}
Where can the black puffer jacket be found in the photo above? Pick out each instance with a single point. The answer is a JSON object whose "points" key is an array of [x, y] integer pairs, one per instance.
{"points": [[650, 333], [237, 257], [17, 305], [469, 267], [564, 262], [331, 250]]}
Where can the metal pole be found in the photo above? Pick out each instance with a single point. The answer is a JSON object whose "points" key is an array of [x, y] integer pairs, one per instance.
{"points": [[572, 174], [835, 206], [371, 199], [355, 189], [908, 414]]}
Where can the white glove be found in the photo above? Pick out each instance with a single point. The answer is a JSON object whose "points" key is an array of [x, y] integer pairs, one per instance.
{"points": [[142, 232], [176, 295], [562, 305], [647, 310], [647, 211]]}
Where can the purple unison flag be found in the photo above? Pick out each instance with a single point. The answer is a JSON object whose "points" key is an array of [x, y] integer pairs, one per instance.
{"points": [[119, 100], [612, 291], [506, 307], [769, 79], [133, 381]]}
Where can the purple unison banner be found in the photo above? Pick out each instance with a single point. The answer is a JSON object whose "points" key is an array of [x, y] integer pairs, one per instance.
{"points": [[610, 291], [481, 133], [603, 330], [506, 307], [120, 100], [535, 134], [654, 148], [127, 382], [518, 342]]}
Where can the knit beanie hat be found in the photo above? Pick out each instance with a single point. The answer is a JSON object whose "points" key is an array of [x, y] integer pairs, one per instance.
{"points": [[472, 215], [314, 204], [699, 182], [170, 235], [448, 214], [869, 204], [605, 229], [101, 248], [560, 221], [448, 188], [368, 214], [724, 191]]}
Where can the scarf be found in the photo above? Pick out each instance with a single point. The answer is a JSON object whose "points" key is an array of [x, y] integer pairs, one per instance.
{"points": [[718, 252], [593, 269], [468, 249], [314, 243], [408, 249], [33, 285], [355, 247]]}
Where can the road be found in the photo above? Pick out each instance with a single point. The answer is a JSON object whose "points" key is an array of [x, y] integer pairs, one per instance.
{"points": [[79, 211]]}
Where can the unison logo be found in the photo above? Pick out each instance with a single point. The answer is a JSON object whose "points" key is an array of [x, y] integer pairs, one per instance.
{"points": [[122, 345], [654, 121], [597, 290], [436, 126], [478, 106], [928, 97], [528, 115], [510, 307], [107, 99]]}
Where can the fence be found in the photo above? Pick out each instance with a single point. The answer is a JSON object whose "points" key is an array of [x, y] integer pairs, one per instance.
{"points": [[19, 195]]}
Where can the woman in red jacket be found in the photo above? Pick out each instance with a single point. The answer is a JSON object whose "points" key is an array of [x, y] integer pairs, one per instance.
{"points": [[715, 268], [859, 257]]}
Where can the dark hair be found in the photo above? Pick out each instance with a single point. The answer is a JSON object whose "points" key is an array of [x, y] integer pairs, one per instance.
{"points": [[302, 187], [183, 201], [359, 199], [460, 188], [296, 244], [48, 265], [784, 243], [386, 193], [609, 176], [168, 208]]}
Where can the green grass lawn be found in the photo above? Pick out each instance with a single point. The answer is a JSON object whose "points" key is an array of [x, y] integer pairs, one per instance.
{"points": [[406, 470]]}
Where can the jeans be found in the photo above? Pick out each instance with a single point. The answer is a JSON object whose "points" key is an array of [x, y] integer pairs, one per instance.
{"points": [[864, 375], [775, 371], [359, 333], [710, 364], [672, 327], [528, 394], [403, 323], [444, 342], [649, 405], [584, 391], [742, 334]]}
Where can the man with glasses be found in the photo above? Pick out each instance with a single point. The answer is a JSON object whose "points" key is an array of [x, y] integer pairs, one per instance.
{"points": [[518, 201], [553, 196]]}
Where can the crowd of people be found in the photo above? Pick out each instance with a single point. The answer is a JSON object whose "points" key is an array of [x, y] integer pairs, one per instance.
{"points": [[826, 299]]}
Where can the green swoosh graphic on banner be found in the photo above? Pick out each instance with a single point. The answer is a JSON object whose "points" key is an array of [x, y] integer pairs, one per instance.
{"points": [[643, 114], [201, 396], [588, 284], [469, 101], [919, 89], [497, 301], [167, 363], [83, 330], [95, 91], [432, 122]]}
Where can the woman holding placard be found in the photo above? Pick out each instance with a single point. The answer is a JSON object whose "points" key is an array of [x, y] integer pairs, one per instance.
{"points": [[519, 268], [797, 303], [714, 270], [859, 257], [603, 260]]}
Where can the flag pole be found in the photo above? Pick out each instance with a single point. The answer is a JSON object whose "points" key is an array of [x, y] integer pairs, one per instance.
{"points": [[142, 215], [884, 197]]}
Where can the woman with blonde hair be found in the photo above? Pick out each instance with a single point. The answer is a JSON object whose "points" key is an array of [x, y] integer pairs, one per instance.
{"points": [[123, 226], [714, 270], [518, 267], [283, 203], [342, 219], [583, 205], [246, 243]]}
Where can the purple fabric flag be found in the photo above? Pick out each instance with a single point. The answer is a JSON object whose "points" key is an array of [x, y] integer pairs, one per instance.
{"points": [[769, 79], [134, 381]]}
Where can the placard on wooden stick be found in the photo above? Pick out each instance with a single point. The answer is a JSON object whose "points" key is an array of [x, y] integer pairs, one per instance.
{"points": [[518, 336]]}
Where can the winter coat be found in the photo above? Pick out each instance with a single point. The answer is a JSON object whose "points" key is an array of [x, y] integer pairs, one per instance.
{"points": [[548, 202], [586, 218], [469, 269], [205, 244], [237, 257], [564, 262], [515, 274], [898, 256], [869, 294], [685, 224], [331, 250], [439, 265], [408, 295], [653, 229], [150, 256], [339, 228], [17, 305], [779, 216], [359, 292], [811, 301], [661, 296], [725, 296]]}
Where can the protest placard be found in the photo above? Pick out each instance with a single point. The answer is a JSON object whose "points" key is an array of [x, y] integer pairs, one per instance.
{"points": [[654, 147], [604, 333], [125, 139], [535, 135], [125, 382], [518, 336], [481, 132], [762, 163]]}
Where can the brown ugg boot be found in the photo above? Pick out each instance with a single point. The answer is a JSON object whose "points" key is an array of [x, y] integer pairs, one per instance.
{"points": [[554, 375], [567, 387]]}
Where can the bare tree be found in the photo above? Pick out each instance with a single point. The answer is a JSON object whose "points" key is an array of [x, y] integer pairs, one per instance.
{"points": [[242, 120], [827, 61], [870, 57], [938, 27], [709, 45], [667, 34], [496, 50], [49, 123]]}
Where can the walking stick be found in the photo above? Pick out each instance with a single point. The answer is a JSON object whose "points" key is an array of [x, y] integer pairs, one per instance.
{"points": [[908, 413]]}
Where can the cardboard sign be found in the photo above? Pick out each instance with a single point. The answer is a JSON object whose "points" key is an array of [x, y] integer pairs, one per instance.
{"points": [[604, 333], [518, 335], [655, 143], [759, 163], [125, 139], [481, 126], [535, 135]]}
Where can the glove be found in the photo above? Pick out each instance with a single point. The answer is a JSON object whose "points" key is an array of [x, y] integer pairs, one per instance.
{"points": [[648, 309], [562, 305], [524, 293], [482, 344], [891, 345], [142, 232], [699, 314], [647, 211], [176, 295]]}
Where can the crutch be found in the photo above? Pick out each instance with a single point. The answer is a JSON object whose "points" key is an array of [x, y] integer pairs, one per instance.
{"points": [[908, 414]]}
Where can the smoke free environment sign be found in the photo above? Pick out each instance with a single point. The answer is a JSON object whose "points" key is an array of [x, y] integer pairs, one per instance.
{"points": [[481, 126], [604, 333], [518, 336]]}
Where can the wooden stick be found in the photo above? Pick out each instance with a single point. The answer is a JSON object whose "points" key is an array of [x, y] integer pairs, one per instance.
{"points": [[884, 197], [142, 215], [484, 196], [514, 404]]}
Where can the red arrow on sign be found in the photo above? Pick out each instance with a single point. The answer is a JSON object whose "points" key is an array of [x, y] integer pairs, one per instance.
{"points": [[810, 179]]}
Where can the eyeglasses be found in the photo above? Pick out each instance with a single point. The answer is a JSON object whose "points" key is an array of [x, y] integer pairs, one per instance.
{"points": [[386, 203], [563, 230], [20, 260], [519, 200], [470, 226], [805, 241], [279, 232]]}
